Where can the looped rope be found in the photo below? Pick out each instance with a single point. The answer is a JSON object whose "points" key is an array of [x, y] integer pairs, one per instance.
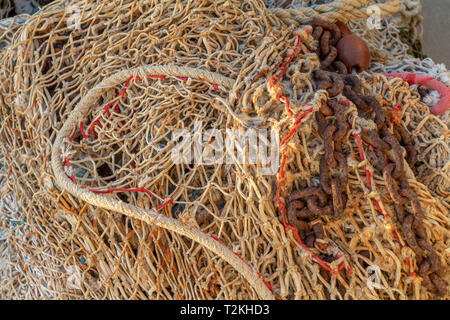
{"points": [[148, 216], [343, 10]]}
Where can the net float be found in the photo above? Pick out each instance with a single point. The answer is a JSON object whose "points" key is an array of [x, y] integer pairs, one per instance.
{"points": [[352, 50], [439, 108]]}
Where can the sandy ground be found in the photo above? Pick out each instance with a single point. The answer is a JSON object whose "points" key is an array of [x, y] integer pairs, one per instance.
{"points": [[436, 35]]}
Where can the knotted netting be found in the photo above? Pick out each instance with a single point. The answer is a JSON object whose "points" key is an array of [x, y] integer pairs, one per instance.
{"points": [[95, 206]]}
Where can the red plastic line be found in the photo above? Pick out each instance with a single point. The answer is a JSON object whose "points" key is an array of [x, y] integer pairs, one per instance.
{"points": [[141, 189], [215, 86], [66, 162], [73, 134], [398, 238], [407, 262], [283, 67], [395, 110], [297, 124], [157, 77]]}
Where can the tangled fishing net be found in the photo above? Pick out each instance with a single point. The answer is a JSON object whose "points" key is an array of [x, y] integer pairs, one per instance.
{"points": [[93, 205]]}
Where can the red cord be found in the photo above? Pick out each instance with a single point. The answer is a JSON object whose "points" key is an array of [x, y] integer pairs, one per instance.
{"points": [[283, 67]]}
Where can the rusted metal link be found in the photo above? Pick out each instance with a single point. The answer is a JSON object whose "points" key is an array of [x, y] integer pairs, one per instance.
{"points": [[329, 81], [430, 269], [324, 180], [353, 97], [412, 197], [439, 284], [399, 213], [340, 67], [325, 43], [338, 202], [321, 124], [410, 237], [294, 214], [300, 225], [329, 58], [424, 271], [309, 240], [325, 109], [343, 169], [411, 153], [392, 186], [323, 81], [323, 85], [338, 146], [403, 133], [375, 105], [431, 280], [338, 85], [418, 227], [398, 156], [317, 22], [305, 214], [435, 262], [294, 205], [352, 81], [328, 146], [321, 75], [316, 209], [376, 141], [306, 193], [317, 33], [338, 110], [318, 230]]}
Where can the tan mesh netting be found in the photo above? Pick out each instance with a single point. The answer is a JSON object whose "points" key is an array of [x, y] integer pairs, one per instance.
{"points": [[93, 206]]}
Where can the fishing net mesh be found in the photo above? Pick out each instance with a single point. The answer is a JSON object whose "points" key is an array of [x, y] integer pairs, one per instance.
{"points": [[94, 206], [6, 9]]}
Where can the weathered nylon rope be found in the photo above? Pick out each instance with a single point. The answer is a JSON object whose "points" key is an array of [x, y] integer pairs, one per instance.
{"points": [[343, 10]]}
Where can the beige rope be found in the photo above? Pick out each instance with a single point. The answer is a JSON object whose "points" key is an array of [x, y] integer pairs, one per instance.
{"points": [[148, 216], [343, 10]]}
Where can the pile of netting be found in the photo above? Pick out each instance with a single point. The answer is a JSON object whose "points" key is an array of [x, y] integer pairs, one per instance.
{"points": [[96, 97]]}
